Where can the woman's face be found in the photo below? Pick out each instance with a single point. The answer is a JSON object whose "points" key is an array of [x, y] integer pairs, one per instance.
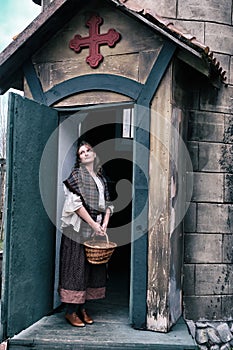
{"points": [[86, 154]]}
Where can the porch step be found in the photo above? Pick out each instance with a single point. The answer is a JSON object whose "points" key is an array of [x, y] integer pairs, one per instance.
{"points": [[111, 329], [53, 332]]}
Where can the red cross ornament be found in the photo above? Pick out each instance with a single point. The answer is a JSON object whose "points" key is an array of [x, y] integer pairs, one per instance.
{"points": [[94, 40]]}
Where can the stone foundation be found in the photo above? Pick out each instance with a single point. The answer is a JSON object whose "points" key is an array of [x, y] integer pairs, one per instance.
{"points": [[212, 335]]}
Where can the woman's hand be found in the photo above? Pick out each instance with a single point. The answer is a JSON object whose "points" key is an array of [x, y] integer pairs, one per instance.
{"points": [[98, 229]]}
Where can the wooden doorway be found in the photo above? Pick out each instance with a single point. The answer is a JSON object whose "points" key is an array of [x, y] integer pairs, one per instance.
{"points": [[105, 128]]}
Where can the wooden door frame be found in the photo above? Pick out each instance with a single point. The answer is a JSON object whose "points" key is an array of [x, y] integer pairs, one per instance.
{"points": [[141, 95]]}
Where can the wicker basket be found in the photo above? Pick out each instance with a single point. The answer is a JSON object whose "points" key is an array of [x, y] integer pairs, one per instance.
{"points": [[99, 252]]}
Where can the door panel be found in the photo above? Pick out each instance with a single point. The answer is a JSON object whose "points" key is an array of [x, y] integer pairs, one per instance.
{"points": [[28, 265], [139, 234]]}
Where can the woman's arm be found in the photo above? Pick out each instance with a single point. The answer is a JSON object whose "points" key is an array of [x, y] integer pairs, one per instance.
{"points": [[82, 212], [106, 219]]}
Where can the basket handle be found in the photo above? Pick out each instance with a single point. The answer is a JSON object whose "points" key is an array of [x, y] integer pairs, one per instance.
{"points": [[107, 239], [105, 234]]}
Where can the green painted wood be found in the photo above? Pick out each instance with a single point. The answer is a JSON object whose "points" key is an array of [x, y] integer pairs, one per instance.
{"points": [[91, 82], [139, 246], [33, 82], [29, 233], [157, 72]]}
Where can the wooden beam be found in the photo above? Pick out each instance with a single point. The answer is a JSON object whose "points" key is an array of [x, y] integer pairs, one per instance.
{"points": [[139, 247], [156, 74], [34, 82], [91, 82]]}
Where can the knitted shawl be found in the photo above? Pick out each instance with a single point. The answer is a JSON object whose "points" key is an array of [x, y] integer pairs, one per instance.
{"points": [[81, 183]]}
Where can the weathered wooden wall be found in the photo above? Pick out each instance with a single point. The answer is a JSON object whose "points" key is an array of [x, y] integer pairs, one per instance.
{"points": [[132, 57], [166, 201], [159, 208]]}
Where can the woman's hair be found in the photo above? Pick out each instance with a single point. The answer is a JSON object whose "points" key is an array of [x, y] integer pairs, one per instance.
{"points": [[97, 165]]}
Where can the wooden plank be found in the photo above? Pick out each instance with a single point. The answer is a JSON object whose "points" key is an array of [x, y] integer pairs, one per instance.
{"points": [[55, 72], [159, 209], [140, 199], [132, 39], [106, 82], [92, 97], [34, 82], [111, 329], [146, 62], [157, 72]]}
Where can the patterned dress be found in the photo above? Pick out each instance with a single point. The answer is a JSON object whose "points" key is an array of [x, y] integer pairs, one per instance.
{"points": [[79, 280]]}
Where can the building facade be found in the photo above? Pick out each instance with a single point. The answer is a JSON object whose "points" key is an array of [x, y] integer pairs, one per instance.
{"points": [[179, 85]]}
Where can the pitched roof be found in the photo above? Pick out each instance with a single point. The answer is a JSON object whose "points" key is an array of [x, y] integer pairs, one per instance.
{"points": [[182, 35], [60, 11]]}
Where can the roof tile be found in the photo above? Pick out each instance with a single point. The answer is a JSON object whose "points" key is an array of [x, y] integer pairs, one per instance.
{"points": [[182, 34]]}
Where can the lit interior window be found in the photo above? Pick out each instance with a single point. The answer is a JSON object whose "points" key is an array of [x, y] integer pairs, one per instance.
{"points": [[128, 122]]}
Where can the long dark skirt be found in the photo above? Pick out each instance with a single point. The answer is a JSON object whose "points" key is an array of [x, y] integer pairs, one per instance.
{"points": [[79, 280]]}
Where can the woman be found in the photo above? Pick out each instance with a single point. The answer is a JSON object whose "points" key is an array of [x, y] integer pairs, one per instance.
{"points": [[86, 212]]}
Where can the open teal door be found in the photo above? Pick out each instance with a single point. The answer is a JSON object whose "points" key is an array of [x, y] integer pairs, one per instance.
{"points": [[28, 263]]}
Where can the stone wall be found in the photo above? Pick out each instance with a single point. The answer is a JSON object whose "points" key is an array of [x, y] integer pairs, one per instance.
{"points": [[208, 278], [208, 226]]}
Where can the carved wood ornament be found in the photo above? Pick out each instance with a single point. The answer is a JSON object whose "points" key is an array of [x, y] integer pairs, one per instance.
{"points": [[94, 40]]}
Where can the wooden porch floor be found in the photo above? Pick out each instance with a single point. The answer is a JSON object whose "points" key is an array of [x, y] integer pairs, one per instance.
{"points": [[111, 330]]}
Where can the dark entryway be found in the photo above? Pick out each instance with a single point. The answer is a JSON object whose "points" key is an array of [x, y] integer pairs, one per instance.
{"points": [[106, 129]]}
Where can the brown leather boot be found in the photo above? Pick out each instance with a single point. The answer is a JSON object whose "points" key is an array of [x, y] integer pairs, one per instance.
{"points": [[85, 317], [74, 320]]}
